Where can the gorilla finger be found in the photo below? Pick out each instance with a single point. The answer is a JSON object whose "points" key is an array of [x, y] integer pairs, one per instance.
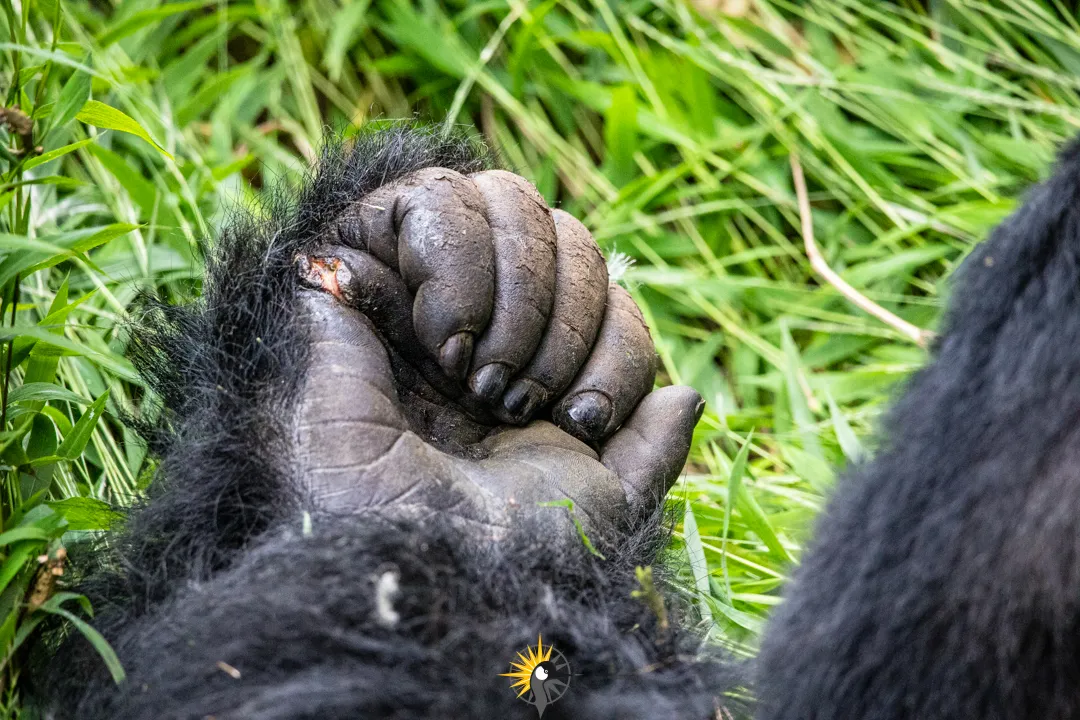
{"points": [[649, 450], [581, 288], [349, 380], [525, 246], [618, 373], [431, 227], [361, 281]]}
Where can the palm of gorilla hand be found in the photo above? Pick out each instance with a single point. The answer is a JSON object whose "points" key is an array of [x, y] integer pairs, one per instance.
{"points": [[443, 269]]}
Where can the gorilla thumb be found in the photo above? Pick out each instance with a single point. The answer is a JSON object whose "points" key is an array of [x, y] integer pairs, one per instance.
{"points": [[648, 452]]}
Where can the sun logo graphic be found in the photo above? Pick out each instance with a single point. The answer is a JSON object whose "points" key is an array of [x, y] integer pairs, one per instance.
{"points": [[541, 675]]}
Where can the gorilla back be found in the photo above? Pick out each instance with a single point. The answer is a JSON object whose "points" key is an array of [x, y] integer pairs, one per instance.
{"points": [[942, 582]]}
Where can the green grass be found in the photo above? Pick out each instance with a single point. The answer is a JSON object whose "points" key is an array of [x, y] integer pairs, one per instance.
{"points": [[668, 132]]}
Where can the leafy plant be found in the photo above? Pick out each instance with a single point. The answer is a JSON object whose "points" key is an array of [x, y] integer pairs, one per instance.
{"points": [[58, 459]]}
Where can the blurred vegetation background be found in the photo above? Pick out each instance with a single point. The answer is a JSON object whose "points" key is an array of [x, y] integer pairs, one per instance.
{"points": [[128, 129]]}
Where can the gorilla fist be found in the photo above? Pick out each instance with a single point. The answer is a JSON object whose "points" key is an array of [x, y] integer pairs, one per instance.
{"points": [[448, 311]]}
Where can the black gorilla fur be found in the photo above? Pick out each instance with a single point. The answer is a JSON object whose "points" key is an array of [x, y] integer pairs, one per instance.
{"points": [[944, 581], [218, 567]]}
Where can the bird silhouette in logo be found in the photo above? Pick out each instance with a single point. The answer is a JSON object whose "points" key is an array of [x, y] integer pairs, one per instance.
{"points": [[542, 675]]}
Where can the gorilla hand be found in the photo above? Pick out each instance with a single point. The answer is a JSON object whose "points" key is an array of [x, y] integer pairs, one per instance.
{"points": [[439, 278]]}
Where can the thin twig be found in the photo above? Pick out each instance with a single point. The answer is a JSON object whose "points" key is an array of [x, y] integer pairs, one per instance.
{"points": [[817, 261]]}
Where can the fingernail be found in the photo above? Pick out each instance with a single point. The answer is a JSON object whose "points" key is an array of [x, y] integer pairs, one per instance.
{"points": [[489, 381], [590, 411], [699, 409], [455, 354], [522, 399]]}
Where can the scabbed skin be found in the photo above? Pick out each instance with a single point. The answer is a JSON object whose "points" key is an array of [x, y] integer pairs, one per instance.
{"points": [[217, 566]]}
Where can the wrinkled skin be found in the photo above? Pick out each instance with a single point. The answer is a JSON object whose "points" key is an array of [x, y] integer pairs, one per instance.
{"points": [[448, 313]]}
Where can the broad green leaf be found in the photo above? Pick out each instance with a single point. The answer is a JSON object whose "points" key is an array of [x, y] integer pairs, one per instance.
{"points": [[112, 662], [116, 364], [142, 18], [24, 533], [849, 444], [59, 418], [27, 627], [699, 565], [59, 181], [446, 51], [42, 440], [62, 597], [103, 116], [620, 136], [13, 452], [44, 360], [55, 319], [896, 264], [41, 443], [751, 512], [76, 440], [40, 516], [758, 521], [60, 299], [56, 56], [743, 619], [43, 392], [224, 171], [32, 255], [84, 513], [11, 639], [811, 468], [18, 557], [141, 190], [794, 378], [73, 97], [53, 154], [348, 22]]}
